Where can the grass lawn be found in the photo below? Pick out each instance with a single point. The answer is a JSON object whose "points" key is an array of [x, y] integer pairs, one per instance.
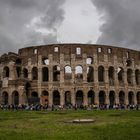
{"points": [[44, 125]]}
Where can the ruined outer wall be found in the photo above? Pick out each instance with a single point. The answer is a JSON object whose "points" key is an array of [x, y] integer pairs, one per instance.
{"points": [[66, 55]]}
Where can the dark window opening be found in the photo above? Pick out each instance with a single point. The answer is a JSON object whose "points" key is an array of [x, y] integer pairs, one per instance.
{"points": [[6, 72], [45, 74], [101, 74], [91, 97], [25, 73], [56, 73], [45, 61], [90, 74], [56, 98], [18, 69], [101, 98], [79, 98], [34, 73], [122, 98]]}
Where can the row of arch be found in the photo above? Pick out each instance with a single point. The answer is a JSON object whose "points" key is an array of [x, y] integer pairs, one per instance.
{"points": [[79, 97], [79, 74]]}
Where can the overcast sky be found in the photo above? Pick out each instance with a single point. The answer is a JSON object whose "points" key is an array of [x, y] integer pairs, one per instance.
{"points": [[35, 22]]}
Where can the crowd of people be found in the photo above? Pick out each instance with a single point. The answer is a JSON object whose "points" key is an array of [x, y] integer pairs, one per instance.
{"points": [[39, 107]]}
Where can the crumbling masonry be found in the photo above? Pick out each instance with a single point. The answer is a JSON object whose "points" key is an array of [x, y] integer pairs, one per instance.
{"points": [[64, 74]]}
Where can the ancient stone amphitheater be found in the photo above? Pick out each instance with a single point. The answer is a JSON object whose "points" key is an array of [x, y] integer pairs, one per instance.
{"points": [[64, 74]]}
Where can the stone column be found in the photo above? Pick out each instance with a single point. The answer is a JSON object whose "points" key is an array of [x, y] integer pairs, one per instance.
{"points": [[96, 75], [39, 81], [73, 67], [133, 77], [96, 98], [39, 69], [95, 59], [117, 97], [62, 99], [84, 56], [85, 97], [73, 75], [12, 70], [116, 82], [125, 77], [29, 69], [50, 98], [50, 68], [73, 98], [61, 68], [50, 74], [106, 76], [84, 74], [21, 99], [30, 73], [107, 99], [22, 96], [10, 100], [126, 97], [61, 74], [135, 98]]}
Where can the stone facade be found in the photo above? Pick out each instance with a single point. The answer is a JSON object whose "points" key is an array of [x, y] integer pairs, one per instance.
{"points": [[64, 74]]}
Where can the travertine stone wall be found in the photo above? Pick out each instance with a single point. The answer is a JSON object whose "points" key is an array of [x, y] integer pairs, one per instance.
{"points": [[22, 75]]}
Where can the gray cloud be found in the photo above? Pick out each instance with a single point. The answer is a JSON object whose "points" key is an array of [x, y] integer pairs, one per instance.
{"points": [[121, 21], [15, 15]]}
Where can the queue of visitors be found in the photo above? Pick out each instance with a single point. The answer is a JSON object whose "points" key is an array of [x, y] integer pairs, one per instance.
{"points": [[38, 107]]}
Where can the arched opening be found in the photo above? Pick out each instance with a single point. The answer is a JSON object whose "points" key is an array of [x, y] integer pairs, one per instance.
{"points": [[67, 73], [131, 98], [18, 70], [45, 61], [18, 61], [137, 76], [111, 75], [15, 98], [112, 98], [4, 98], [45, 74], [79, 98], [122, 98], [128, 62], [45, 97], [67, 98], [79, 72], [56, 98], [34, 99], [129, 76], [101, 74], [120, 75], [6, 72], [89, 60], [102, 98], [56, 73], [91, 97], [34, 73], [90, 74], [25, 73], [138, 98]]}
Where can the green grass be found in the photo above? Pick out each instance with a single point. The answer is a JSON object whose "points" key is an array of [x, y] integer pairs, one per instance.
{"points": [[42, 125]]}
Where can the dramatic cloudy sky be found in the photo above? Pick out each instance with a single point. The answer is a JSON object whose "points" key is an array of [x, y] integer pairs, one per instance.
{"points": [[35, 22]]}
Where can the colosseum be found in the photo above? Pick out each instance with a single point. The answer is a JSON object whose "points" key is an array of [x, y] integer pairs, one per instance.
{"points": [[76, 74]]}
